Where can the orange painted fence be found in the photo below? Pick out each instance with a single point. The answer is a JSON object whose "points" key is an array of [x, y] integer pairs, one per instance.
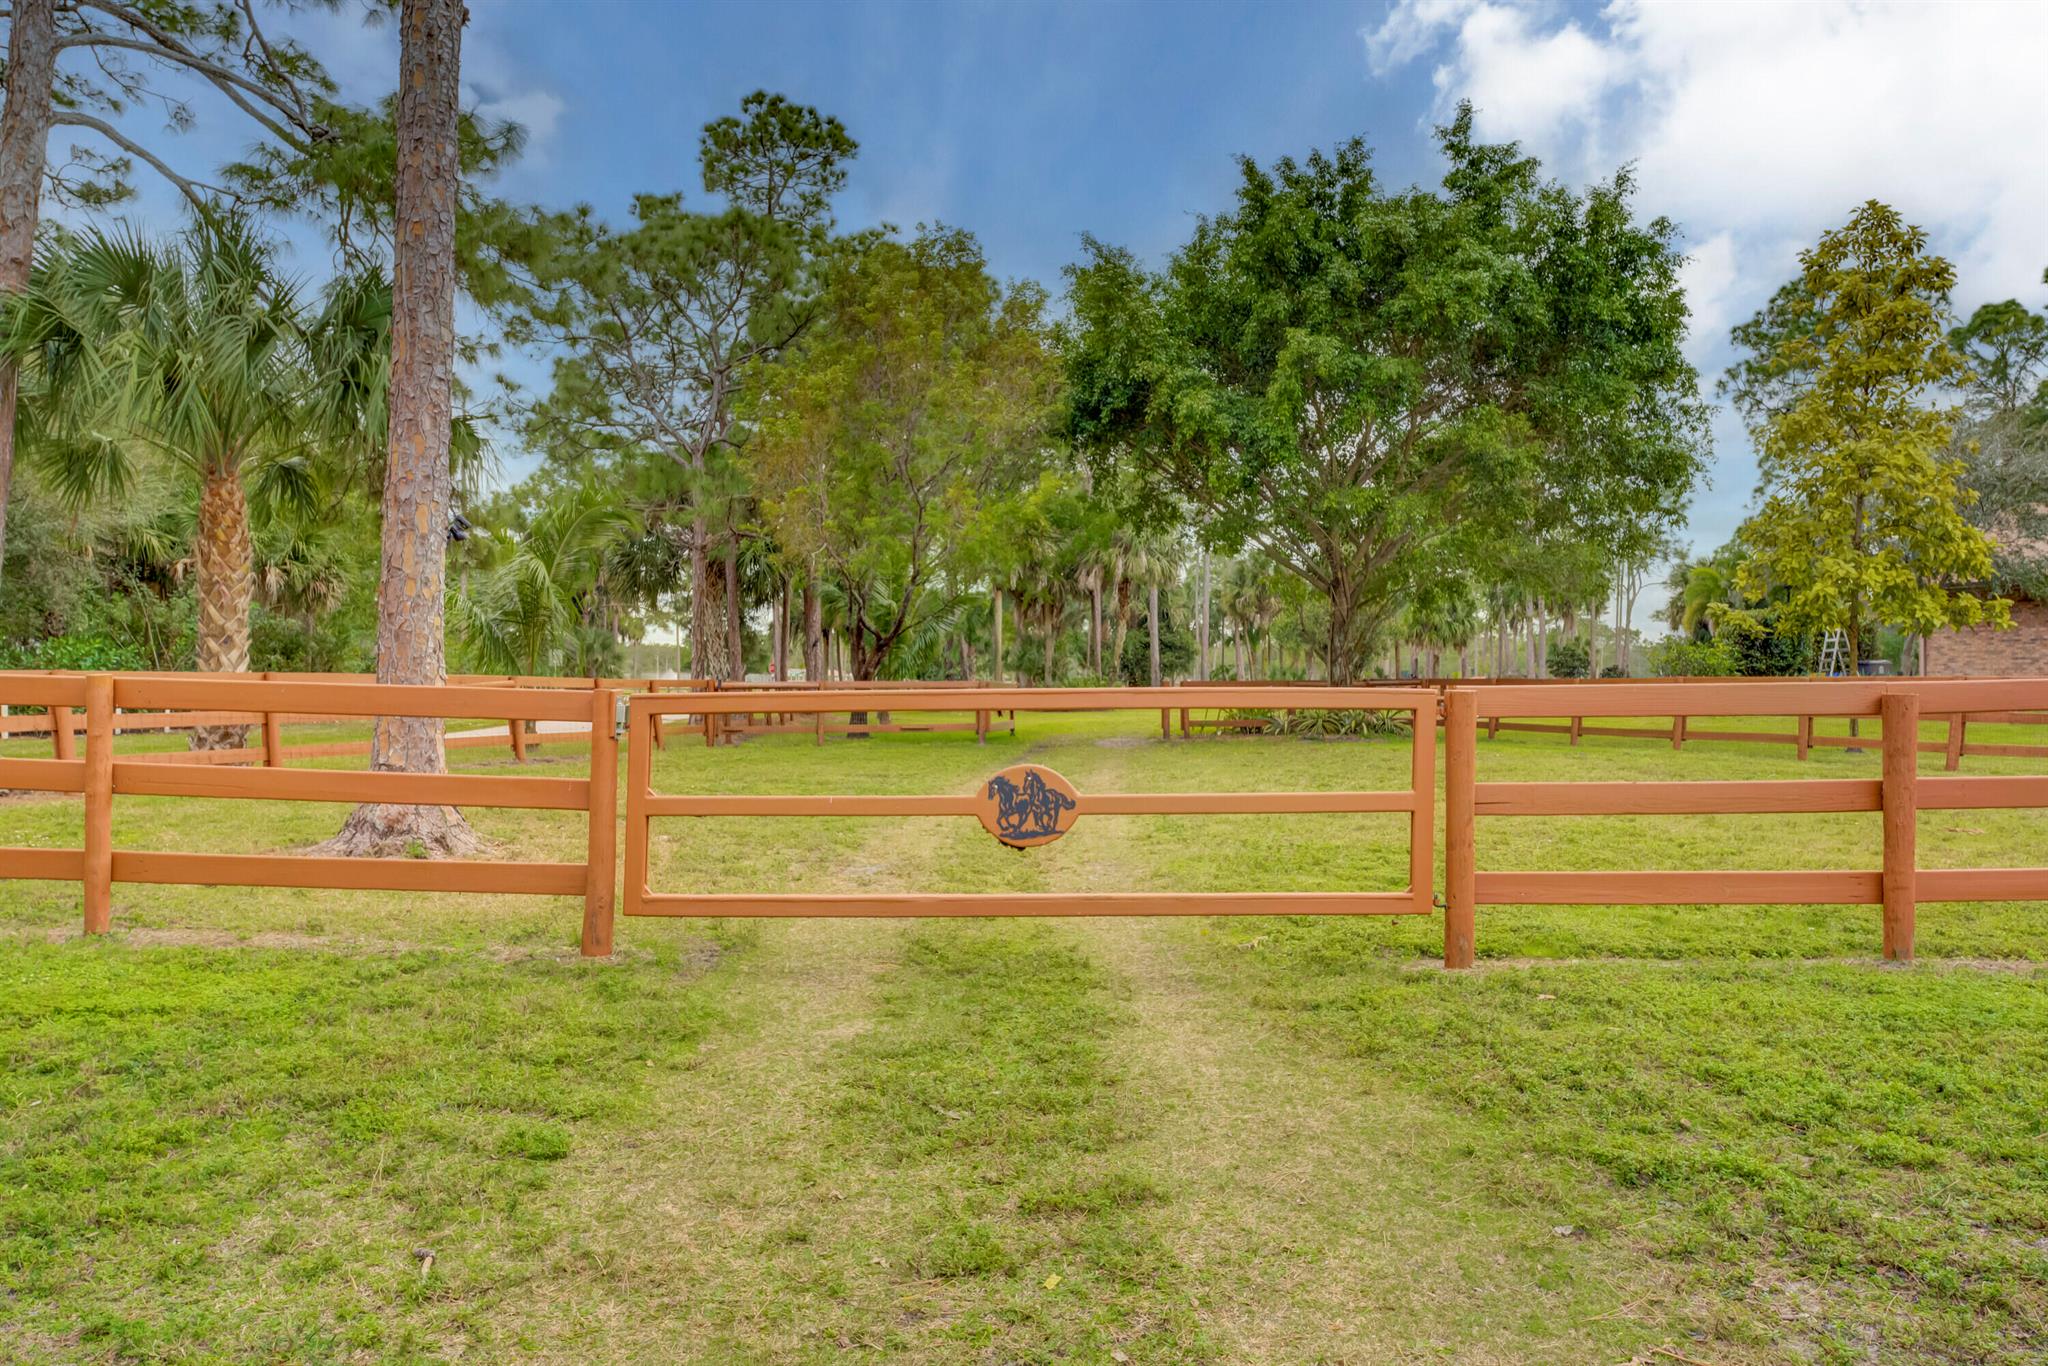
{"points": [[643, 805], [1548, 698], [100, 776], [729, 727], [1900, 793], [60, 723], [1898, 885]]}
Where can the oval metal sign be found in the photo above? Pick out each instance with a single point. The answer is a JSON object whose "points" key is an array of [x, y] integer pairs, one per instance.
{"points": [[1027, 805]]}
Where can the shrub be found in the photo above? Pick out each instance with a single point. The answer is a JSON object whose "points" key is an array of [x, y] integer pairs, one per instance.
{"points": [[1176, 650], [1334, 721], [1570, 659], [1676, 658], [1760, 645], [1614, 671], [91, 654]]}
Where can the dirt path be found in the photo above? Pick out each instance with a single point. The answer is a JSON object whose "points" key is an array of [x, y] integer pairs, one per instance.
{"points": [[694, 1230], [1310, 1200]]}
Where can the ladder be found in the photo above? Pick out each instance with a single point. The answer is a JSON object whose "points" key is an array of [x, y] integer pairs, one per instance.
{"points": [[1834, 653]]}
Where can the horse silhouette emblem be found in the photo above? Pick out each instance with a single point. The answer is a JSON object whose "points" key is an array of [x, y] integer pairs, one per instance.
{"points": [[1027, 805]]}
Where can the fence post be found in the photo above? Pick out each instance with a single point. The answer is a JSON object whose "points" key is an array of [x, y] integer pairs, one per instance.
{"points": [[273, 736], [518, 730], [63, 742], [1678, 732], [98, 879], [1900, 712], [1958, 726], [1578, 724], [639, 763], [601, 873], [1461, 747], [1422, 817], [1805, 741]]}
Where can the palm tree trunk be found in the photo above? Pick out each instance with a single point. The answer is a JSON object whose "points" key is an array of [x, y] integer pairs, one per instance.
{"points": [[418, 484], [1123, 625], [736, 641], [999, 636], [24, 144], [227, 584], [1152, 630], [1095, 629]]}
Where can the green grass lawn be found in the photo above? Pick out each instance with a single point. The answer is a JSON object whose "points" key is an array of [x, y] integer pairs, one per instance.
{"points": [[332, 1126]]}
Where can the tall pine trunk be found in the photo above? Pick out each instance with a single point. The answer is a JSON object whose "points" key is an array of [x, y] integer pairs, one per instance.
{"points": [[814, 632], [227, 584], [736, 640], [24, 144], [418, 483]]}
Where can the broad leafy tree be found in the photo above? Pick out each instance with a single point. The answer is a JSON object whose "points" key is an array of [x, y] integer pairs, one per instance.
{"points": [[1362, 383], [1862, 513], [892, 439], [2003, 438]]}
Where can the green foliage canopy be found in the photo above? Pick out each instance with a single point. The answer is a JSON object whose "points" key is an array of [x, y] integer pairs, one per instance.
{"points": [[889, 443], [1362, 382], [1863, 505]]}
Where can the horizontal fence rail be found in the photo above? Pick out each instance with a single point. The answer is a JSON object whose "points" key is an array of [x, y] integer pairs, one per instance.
{"points": [[101, 775], [643, 804], [82, 714], [1564, 698], [1899, 794]]}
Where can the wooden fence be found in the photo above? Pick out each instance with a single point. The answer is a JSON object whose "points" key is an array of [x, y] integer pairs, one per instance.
{"points": [[1900, 793], [100, 775], [643, 804], [730, 727], [61, 723], [1551, 706]]}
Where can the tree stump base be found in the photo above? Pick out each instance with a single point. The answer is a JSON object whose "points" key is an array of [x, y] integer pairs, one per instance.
{"points": [[386, 831]]}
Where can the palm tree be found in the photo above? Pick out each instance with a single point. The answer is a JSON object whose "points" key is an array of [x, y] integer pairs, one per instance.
{"points": [[522, 612], [1251, 604], [193, 352], [1150, 561]]}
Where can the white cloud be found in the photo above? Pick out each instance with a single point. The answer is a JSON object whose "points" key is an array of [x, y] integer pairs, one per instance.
{"points": [[1709, 278], [1758, 126], [1771, 121], [1537, 81], [537, 111]]}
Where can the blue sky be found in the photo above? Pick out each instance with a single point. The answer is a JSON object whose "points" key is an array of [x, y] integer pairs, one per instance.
{"points": [[1754, 126]]}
